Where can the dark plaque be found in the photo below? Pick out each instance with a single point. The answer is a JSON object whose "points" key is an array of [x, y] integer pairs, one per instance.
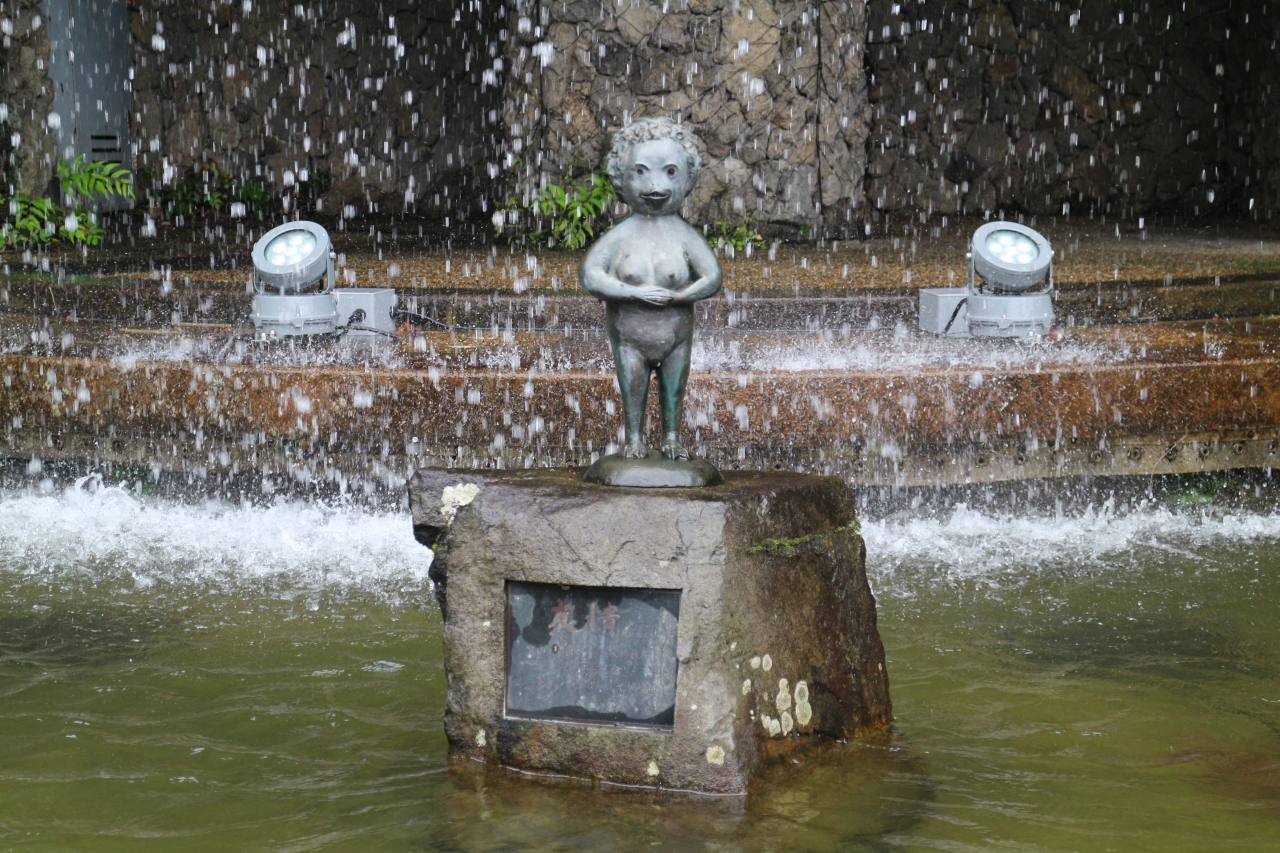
{"points": [[592, 654]]}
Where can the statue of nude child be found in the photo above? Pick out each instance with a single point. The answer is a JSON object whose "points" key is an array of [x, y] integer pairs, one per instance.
{"points": [[649, 270]]}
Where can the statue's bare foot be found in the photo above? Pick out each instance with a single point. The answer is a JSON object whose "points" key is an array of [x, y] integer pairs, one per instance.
{"points": [[635, 451], [672, 449]]}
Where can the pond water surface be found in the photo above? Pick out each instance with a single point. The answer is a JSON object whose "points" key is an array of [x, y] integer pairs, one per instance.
{"points": [[214, 678]]}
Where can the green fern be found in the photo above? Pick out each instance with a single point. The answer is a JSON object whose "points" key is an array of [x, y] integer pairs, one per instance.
{"points": [[40, 221], [33, 221], [81, 228], [736, 236], [97, 178]]}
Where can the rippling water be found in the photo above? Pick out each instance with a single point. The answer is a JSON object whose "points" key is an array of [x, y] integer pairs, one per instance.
{"points": [[221, 678]]}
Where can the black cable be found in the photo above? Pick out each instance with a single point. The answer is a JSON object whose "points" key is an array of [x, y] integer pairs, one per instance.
{"points": [[351, 327], [955, 314]]}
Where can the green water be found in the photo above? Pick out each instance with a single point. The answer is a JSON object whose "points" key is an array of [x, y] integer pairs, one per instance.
{"points": [[1126, 702]]}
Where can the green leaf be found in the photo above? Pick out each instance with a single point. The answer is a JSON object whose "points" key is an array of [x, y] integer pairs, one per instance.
{"points": [[33, 221], [83, 180], [570, 210]]}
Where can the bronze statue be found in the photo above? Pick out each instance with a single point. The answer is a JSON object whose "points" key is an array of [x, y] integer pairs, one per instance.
{"points": [[649, 270]]}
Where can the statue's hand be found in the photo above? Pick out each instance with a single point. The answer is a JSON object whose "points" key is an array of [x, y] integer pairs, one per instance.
{"points": [[653, 294]]}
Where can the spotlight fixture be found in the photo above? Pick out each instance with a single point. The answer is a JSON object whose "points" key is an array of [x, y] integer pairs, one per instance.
{"points": [[294, 281], [1006, 261], [296, 261]]}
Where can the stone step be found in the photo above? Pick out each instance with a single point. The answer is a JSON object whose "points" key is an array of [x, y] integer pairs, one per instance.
{"points": [[138, 301], [809, 360], [879, 409]]}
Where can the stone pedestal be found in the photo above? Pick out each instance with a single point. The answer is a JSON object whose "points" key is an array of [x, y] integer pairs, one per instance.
{"points": [[667, 638]]}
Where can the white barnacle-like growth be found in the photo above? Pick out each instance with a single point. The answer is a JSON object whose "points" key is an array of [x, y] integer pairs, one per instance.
{"points": [[783, 700], [804, 711], [455, 497]]}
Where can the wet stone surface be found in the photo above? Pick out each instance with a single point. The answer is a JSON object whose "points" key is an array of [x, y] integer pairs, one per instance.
{"points": [[776, 648]]}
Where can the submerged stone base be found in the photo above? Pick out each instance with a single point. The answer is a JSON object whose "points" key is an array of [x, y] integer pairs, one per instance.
{"points": [[663, 638]]}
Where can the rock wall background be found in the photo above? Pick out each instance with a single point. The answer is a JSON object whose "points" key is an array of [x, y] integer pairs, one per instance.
{"points": [[774, 88], [385, 97], [816, 115], [26, 98], [1045, 106], [1253, 64]]}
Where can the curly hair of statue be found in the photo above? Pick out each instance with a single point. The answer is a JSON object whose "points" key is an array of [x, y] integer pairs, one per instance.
{"points": [[648, 130]]}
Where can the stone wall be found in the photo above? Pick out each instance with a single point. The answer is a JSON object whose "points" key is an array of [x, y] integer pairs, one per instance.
{"points": [[26, 98], [813, 113], [1047, 107], [385, 98], [1252, 70], [775, 89]]}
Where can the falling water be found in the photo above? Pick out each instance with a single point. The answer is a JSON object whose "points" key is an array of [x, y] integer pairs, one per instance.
{"points": [[192, 656]]}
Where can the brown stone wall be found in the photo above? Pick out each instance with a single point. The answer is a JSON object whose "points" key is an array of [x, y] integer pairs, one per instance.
{"points": [[1252, 69], [26, 147], [813, 113], [774, 88], [386, 97], [1042, 106]]}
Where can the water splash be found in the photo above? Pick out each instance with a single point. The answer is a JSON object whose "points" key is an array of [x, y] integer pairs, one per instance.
{"points": [[114, 532], [240, 351], [887, 352], [971, 545]]}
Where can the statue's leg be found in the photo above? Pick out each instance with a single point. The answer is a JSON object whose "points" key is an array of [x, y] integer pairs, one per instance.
{"points": [[673, 375], [633, 382]]}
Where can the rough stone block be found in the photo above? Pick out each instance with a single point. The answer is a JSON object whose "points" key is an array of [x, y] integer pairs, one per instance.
{"points": [[776, 646]]}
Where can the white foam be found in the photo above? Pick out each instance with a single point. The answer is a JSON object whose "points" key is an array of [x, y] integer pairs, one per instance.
{"points": [[94, 531], [113, 532], [970, 544]]}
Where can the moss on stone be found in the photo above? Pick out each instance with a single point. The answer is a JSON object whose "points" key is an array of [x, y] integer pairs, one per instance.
{"points": [[789, 547]]}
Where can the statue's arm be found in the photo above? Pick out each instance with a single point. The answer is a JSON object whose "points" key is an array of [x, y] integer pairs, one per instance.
{"points": [[594, 275], [704, 266]]}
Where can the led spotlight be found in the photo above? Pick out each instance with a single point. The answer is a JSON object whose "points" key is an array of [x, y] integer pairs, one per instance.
{"points": [[1006, 261], [1010, 258], [295, 260]]}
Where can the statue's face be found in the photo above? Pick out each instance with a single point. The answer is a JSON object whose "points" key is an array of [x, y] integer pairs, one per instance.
{"points": [[656, 179]]}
